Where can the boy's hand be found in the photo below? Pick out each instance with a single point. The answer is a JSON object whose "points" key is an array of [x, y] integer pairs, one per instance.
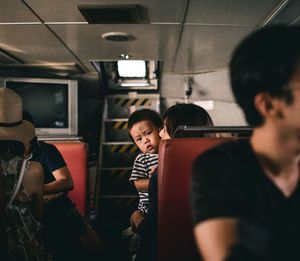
{"points": [[152, 170], [50, 197]]}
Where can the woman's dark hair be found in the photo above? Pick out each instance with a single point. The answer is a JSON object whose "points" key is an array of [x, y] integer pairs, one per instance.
{"points": [[185, 114], [12, 146], [265, 61]]}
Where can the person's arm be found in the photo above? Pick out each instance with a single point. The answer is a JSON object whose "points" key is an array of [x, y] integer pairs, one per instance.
{"points": [[55, 163], [142, 184], [215, 204], [33, 182], [140, 176], [215, 238], [63, 182]]}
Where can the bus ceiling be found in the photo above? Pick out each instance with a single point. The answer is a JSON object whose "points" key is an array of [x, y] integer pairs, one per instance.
{"points": [[62, 37]]}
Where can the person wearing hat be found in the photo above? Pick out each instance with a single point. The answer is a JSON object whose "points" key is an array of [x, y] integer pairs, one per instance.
{"points": [[13, 128], [22, 182]]}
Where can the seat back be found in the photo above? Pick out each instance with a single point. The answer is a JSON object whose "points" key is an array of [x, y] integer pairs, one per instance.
{"points": [[175, 230], [3, 235], [2, 195], [75, 155]]}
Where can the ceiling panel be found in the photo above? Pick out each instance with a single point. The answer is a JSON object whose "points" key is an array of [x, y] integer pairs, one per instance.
{"points": [[290, 14], [207, 47], [14, 11], [33, 44], [153, 42], [212, 28], [66, 10], [242, 12]]}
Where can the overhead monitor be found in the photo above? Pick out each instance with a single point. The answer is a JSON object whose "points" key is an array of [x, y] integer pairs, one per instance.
{"points": [[52, 104]]}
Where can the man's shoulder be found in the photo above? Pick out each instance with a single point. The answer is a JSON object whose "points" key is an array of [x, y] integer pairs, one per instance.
{"points": [[233, 153], [50, 155], [46, 145], [48, 149], [229, 148]]}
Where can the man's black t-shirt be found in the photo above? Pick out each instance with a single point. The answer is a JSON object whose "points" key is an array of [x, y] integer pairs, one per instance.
{"points": [[228, 181], [62, 224], [49, 157]]}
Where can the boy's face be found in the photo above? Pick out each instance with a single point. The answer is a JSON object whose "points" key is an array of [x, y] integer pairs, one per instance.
{"points": [[146, 136]]}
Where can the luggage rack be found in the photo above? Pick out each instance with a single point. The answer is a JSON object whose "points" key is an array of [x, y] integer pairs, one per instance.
{"points": [[60, 138]]}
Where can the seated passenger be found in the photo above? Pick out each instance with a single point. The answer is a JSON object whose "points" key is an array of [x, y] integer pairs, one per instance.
{"points": [[22, 184], [245, 195], [187, 115], [144, 126], [179, 114], [66, 232]]}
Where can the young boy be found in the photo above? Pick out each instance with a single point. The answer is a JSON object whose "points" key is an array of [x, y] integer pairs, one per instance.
{"points": [[144, 126]]}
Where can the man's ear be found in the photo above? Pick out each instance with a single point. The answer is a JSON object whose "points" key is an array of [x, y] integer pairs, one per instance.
{"points": [[267, 105]]}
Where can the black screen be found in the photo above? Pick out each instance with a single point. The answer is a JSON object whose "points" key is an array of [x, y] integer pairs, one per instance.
{"points": [[46, 102]]}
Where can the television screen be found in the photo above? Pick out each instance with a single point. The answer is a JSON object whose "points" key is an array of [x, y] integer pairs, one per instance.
{"points": [[47, 103], [50, 104]]}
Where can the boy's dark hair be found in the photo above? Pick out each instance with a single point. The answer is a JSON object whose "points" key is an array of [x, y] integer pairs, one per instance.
{"points": [[145, 115], [264, 61], [185, 114]]}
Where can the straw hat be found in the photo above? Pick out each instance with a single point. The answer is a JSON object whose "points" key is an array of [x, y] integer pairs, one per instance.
{"points": [[12, 127]]}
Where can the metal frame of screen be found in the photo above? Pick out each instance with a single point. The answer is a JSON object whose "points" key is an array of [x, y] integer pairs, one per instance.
{"points": [[72, 85]]}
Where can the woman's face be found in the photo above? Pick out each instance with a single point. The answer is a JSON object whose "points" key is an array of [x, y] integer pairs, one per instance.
{"points": [[164, 135]]}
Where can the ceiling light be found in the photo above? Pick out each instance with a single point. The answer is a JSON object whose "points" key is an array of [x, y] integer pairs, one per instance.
{"points": [[125, 56]]}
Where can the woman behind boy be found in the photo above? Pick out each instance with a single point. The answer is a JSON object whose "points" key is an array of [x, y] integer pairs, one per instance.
{"points": [[176, 115]]}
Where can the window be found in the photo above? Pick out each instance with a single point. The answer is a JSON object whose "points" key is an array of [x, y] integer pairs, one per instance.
{"points": [[133, 68], [128, 74]]}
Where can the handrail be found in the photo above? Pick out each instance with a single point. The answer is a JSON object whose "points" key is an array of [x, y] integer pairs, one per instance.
{"points": [[182, 129]]}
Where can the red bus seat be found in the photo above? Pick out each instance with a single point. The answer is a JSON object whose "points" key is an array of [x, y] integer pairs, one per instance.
{"points": [[75, 155], [175, 230]]}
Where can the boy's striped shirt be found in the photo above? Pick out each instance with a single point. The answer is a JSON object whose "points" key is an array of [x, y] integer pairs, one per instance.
{"points": [[142, 166]]}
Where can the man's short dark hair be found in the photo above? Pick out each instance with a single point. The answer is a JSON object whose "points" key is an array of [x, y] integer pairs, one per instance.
{"points": [[145, 115], [264, 61]]}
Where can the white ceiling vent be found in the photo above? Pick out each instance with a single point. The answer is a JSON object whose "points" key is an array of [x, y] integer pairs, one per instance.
{"points": [[118, 36]]}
